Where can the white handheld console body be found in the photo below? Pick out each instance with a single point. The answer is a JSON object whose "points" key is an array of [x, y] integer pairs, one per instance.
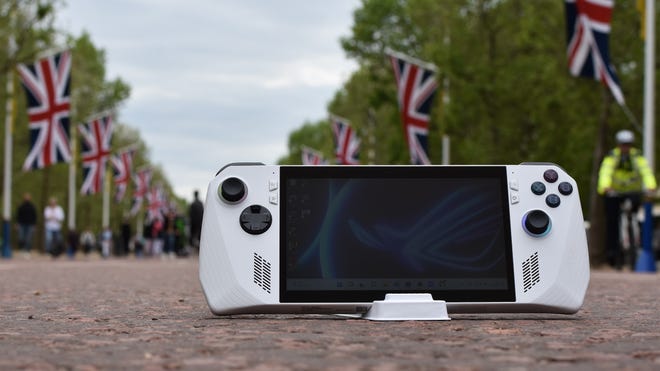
{"points": [[334, 239]]}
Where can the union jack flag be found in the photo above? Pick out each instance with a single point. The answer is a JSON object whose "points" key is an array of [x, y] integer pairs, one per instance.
{"points": [[47, 87], [156, 204], [122, 163], [416, 87], [142, 182], [588, 30], [347, 144], [312, 157], [95, 138]]}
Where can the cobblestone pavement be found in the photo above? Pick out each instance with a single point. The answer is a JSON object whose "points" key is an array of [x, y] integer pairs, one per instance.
{"points": [[151, 314]]}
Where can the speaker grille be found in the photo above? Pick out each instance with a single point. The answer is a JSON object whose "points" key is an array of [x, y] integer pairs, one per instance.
{"points": [[531, 274], [262, 272]]}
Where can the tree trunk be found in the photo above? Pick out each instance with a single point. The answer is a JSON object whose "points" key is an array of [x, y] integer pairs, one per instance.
{"points": [[596, 235]]}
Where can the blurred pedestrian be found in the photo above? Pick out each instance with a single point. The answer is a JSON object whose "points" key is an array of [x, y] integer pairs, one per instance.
{"points": [[157, 237], [138, 243], [53, 218], [148, 238], [88, 241], [125, 236], [180, 246], [73, 240], [624, 175], [26, 218], [169, 229], [106, 242], [196, 214]]}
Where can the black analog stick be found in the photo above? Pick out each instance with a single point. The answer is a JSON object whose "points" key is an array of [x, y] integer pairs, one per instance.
{"points": [[537, 223], [232, 190]]}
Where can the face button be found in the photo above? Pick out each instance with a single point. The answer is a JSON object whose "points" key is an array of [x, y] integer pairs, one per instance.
{"points": [[552, 200], [232, 190], [565, 188], [538, 188], [550, 176], [255, 219], [537, 223]]}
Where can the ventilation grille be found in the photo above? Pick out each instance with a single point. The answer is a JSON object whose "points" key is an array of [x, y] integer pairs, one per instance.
{"points": [[262, 272], [531, 274]]}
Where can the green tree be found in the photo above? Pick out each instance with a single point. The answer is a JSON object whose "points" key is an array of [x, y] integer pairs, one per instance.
{"points": [[368, 98], [316, 135], [26, 29], [506, 95], [370, 105], [30, 23], [92, 93]]}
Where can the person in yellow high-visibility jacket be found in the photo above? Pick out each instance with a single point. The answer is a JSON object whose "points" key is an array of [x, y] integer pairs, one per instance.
{"points": [[624, 174]]}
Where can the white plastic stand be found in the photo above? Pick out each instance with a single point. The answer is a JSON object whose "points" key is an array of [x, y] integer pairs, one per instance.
{"points": [[408, 307]]}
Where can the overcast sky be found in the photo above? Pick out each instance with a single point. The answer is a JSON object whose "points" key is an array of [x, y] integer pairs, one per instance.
{"points": [[218, 81]]}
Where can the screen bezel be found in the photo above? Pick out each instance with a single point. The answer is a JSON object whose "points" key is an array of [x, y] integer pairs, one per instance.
{"points": [[390, 172]]}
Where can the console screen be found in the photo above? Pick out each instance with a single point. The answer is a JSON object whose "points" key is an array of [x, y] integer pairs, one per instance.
{"points": [[354, 234]]}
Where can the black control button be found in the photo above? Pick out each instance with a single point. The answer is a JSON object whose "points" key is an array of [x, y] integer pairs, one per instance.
{"points": [[255, 219], [232, 190], [537, 223], [550, 176], [552, 200], [538, 188], [565, 188]]}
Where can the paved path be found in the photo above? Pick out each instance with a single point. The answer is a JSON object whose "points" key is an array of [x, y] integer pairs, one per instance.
{"points": [[119, 314]]}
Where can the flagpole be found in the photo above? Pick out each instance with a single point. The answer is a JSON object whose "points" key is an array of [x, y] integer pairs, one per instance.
{"points": [[139, 228], [107, 178], [371, 153], [405, 57], [646, 258], [6, 209], [72, 181], [9, 112], [106, 200], [649, 88], [445, 149]]}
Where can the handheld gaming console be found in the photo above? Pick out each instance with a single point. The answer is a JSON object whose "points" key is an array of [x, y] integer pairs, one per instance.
{"points": [[334, 239]]}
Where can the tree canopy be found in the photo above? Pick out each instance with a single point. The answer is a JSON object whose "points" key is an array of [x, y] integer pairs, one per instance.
{"points": [[31, 24], [505, 94]]}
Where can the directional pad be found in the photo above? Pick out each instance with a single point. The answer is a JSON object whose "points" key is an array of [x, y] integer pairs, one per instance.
{"points": [[256, 219]]}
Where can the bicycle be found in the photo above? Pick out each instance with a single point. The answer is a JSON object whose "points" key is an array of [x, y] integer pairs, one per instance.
{"points": [[629, 233], [629, 229]]}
